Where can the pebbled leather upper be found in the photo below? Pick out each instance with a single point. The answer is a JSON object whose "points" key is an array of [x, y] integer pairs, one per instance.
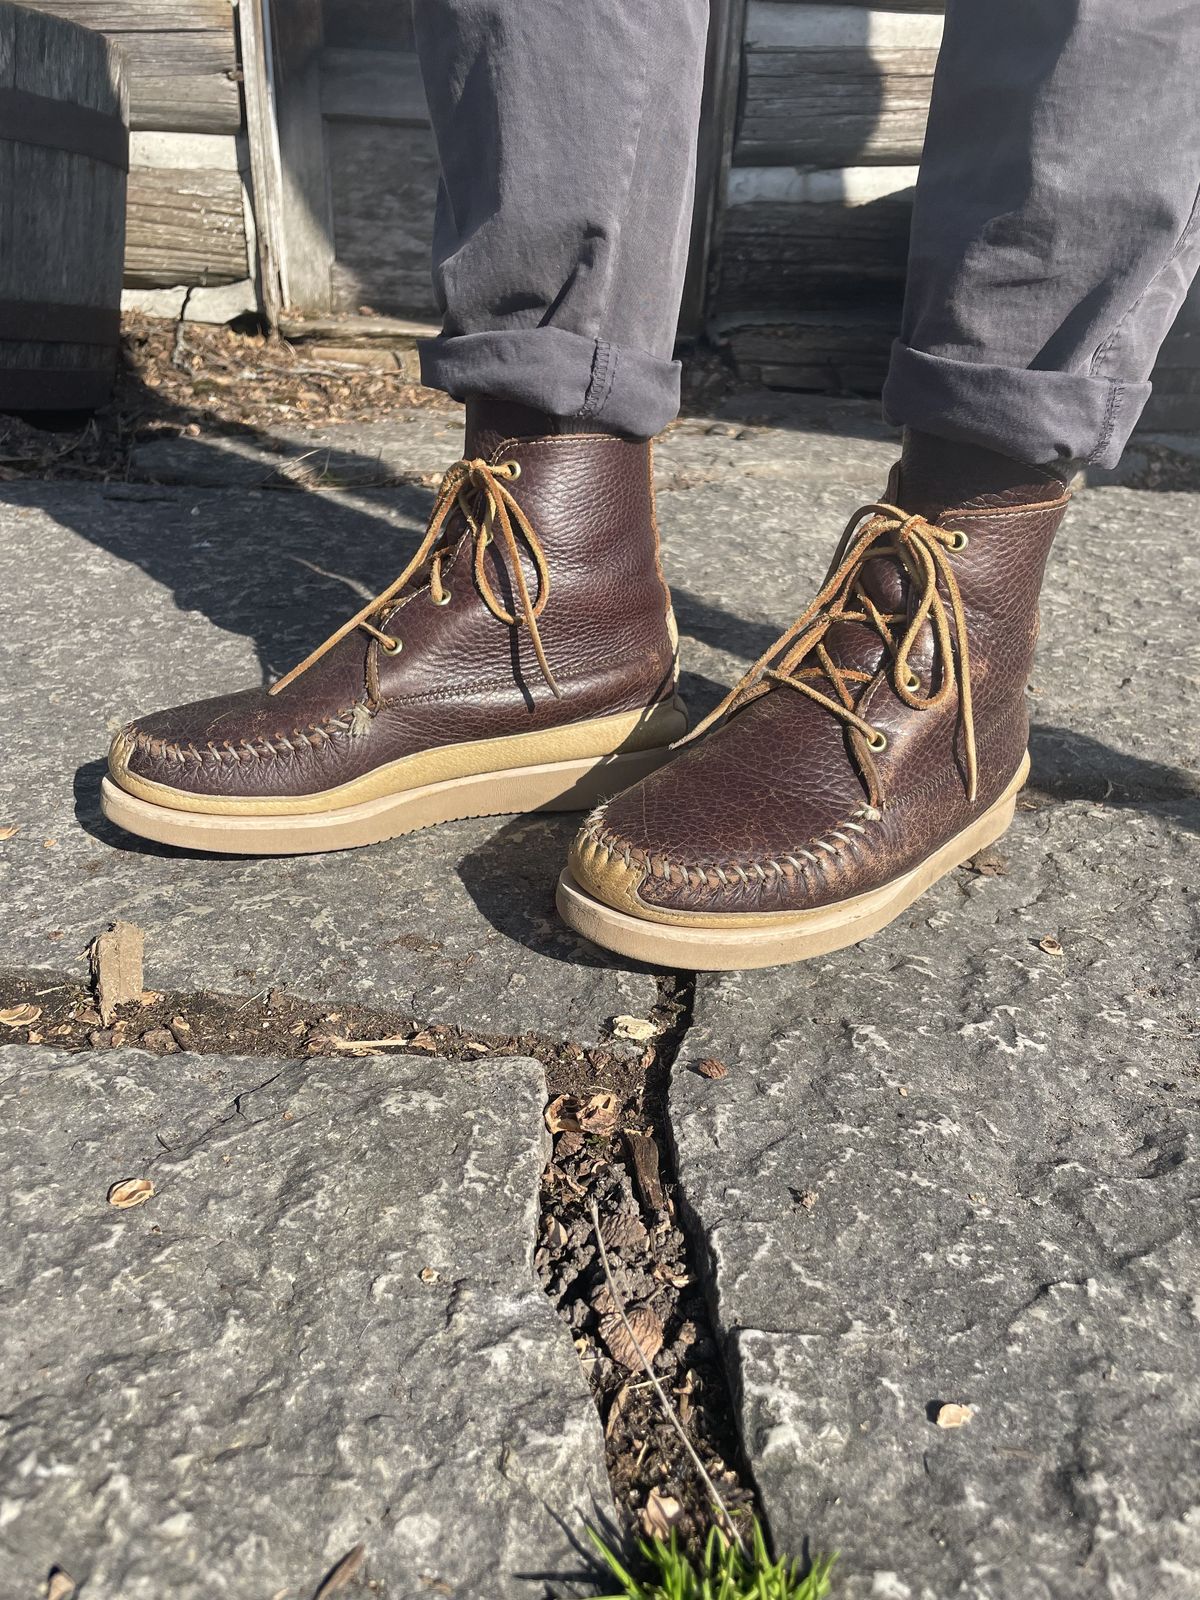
{"points": [[461, 674], [773, 811]]}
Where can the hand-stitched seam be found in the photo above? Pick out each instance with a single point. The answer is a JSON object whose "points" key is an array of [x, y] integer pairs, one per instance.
{"points": [[260, 748], [762, 867]]}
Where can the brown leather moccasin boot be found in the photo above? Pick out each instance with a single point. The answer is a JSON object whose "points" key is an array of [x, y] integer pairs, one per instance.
{"points": [[523, 660], [879, 743]]}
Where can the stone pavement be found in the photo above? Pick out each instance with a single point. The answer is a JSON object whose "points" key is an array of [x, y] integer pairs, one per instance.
{"points": [[948, 1166], [323, 1329]]}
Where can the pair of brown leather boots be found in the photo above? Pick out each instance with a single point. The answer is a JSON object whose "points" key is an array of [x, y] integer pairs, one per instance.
{"points": [[526, 659]]}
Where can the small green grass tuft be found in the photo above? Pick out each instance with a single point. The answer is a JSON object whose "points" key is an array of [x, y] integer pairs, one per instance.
{"points": [[724, 1572]]}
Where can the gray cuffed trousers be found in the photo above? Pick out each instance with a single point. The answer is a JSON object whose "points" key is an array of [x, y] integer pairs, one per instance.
{"points": [[1055, 233]]}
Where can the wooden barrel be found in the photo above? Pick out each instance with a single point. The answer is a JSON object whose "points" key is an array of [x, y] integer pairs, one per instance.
{"points": [[64, 154]]}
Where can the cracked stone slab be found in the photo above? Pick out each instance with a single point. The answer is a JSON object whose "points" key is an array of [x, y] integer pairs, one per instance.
{"points": [[323, 1329], [949, 1166], [118, 599]]}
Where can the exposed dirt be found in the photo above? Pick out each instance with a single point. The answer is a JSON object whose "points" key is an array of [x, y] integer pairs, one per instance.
{"points": [[616, 1099]]}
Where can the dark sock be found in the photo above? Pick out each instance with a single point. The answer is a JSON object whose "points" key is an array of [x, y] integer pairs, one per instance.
{"points": [[490, 422], [937, 475]]}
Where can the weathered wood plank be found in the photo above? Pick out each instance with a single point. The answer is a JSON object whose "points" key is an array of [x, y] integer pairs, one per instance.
{"points": [[180, 78], [307, 216], [831, 107], [185, 82], [382, 229], [373, 86], [368, 25], [266, 173], [775, 255], [714, 152], [184, 227], [122, 16], [865, 5], [831, 85], [841, 351]]}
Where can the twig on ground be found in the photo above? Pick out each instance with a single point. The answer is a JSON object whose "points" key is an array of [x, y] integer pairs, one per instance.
{"points": [[668, 1409]]}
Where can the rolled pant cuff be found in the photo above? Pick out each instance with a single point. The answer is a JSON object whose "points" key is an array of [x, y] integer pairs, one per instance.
{"points": [[559, 372], [1036, 417]]}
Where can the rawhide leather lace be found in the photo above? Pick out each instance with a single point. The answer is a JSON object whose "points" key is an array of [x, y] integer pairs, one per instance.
{"points": [[480, 491], [799, 659]]}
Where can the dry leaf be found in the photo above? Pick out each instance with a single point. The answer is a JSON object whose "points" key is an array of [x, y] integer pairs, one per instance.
{"points": [[20, 1016], [556, 1234], [647, 1330], [423, 1041], [60, 1585], [33, 1038], [660, 1514], [1050, 945], [622, 1231], [341, 1575], [954, 1416], [149, 997], [117, 968], [710, 1067], [636, 1028], [600, 1113], [9, 829], [430, 1275], [130, 1192], [562, 1114]]}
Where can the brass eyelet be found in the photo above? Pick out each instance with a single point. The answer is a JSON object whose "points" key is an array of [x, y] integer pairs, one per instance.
{"points": [[512, 469], [912, 683], [877, 741], [393, 647], [445, 600], [959, 540]]}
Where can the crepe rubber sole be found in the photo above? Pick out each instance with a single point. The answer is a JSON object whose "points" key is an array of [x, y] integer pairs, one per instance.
{"points": [[249, 825], [720, 944]]}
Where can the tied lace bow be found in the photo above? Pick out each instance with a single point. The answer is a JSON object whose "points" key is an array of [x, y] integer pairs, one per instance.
{"points": [[466, 485], [921, 548]]}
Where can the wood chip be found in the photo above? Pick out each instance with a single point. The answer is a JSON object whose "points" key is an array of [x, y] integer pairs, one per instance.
{"points": [[954, 1416], [130, 1192], [60, 1585], [643, 1152], [423, 1041], [116, 958], [637, 1028], [341, 1575], [20, 1016], [647, 1330], [7, 832], [660, 1514], [1050, 945], [710, 1067], [360, 1047]]}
